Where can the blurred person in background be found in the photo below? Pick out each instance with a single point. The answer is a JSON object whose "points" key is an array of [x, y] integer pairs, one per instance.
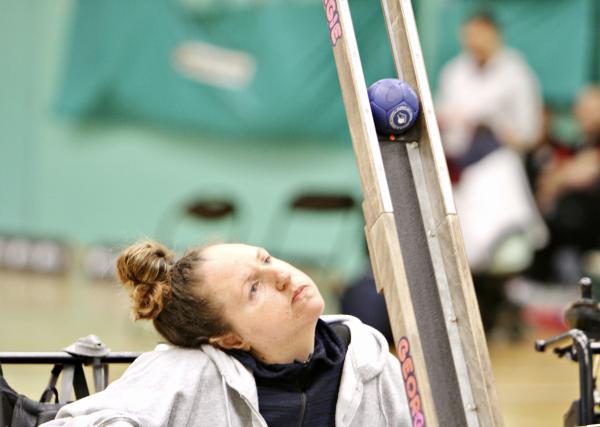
{"points": [[248, 347], [487, 89], [537, 159], [489, 108], [568, 192]]}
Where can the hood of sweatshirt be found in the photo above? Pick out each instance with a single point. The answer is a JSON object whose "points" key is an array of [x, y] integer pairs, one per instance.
{"points": [[368, 351], [367, 355]]}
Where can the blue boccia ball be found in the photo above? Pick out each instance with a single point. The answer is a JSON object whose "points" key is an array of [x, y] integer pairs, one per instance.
{"points": [[394, 104]]}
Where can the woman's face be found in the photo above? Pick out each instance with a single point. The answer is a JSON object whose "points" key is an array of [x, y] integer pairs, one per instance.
{"points": [[266, 301]]}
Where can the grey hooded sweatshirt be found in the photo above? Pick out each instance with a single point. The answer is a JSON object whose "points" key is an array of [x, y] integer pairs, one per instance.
{"points": [[207, 387]]}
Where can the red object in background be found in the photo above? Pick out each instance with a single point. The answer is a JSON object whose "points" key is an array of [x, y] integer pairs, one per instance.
{"points": [[545, 318], [453, 170]]}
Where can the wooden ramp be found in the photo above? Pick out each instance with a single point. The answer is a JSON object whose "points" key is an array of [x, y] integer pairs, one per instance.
{"points": [[414, 238]]}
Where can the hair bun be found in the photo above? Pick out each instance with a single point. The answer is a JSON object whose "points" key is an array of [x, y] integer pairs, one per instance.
{"points": [[144, 269]]}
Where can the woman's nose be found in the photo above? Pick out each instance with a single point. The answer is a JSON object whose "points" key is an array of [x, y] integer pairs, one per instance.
{"points": [[282, 280]]}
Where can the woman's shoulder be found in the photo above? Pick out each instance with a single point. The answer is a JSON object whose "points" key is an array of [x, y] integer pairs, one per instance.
{"points": [[172, 361], [206, 363], [172, 354]]}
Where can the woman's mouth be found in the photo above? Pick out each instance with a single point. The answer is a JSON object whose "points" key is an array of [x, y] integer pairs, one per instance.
{"points": [[298, 293]]}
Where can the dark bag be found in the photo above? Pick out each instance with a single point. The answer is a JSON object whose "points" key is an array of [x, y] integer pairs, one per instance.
{"points": [[17, 410]]}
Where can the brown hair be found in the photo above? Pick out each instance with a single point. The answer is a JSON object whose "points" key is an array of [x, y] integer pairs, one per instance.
{"points": [[169, 292], [484, 16]]}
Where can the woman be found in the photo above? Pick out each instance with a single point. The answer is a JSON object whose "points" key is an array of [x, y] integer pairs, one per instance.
{"points": [[249, 349]]}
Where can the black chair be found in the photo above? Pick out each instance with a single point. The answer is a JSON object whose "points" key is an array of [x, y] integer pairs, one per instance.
{"points": [[321, 204], [219, 212]]}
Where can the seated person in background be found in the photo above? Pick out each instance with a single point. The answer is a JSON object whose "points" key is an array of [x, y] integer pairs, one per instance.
{"points": [[490, 112], [489, 108], [488, 96], [249, 349], [568, 190]]}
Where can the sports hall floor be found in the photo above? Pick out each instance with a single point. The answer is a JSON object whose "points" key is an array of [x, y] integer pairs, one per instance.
{"points": [[45, 313]]}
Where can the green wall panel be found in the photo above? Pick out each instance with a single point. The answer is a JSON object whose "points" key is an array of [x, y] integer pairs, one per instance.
{"points": [[120, 62]]}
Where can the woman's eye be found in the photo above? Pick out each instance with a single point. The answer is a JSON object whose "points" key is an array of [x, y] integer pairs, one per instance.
{"points": [[253, 289], [268, 260]]}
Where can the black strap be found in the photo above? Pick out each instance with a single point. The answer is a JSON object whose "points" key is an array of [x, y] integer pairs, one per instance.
{"points": [[79, 383], [51, 390], [343, 332], [73, 379], [48, 394]]}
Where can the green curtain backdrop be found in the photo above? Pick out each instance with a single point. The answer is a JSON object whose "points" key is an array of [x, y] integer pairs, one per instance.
{"points": [[119, 63]]}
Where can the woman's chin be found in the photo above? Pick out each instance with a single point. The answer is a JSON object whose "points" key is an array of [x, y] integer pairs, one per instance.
{"points": [[317, 306]]}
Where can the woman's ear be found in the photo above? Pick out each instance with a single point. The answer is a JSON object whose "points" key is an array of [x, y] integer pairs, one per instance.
{"points": [[230, 341]]}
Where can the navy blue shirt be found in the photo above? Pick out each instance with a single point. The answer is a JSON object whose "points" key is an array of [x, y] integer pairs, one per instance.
{"points": [[300, 394]]}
